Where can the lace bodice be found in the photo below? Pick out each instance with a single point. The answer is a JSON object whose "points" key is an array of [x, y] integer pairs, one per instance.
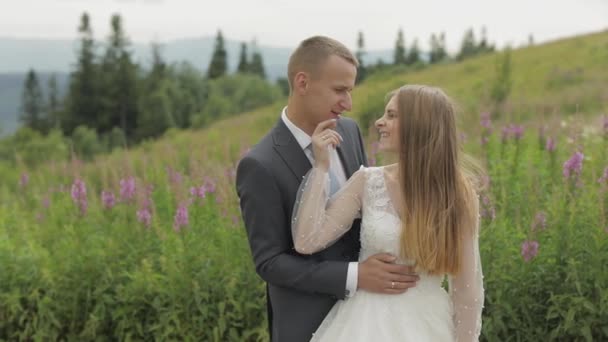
{"points": [[318, 222]]}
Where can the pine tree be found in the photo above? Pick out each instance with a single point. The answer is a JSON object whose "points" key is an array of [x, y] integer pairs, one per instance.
{"points": [[32, 112], [120, 86], [257, 64], [159, 67], [360, 54], [83, 105], [52, 107], [243, 66], [413, 55], [468, 46], [442, 50], [218, 65], [399, 56], [434, 53]]}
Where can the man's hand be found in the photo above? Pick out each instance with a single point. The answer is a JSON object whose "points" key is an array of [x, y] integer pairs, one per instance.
{"points": [[380, 274]]}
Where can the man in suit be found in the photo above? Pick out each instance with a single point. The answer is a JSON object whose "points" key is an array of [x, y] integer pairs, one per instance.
{"points": [[301, 289]]}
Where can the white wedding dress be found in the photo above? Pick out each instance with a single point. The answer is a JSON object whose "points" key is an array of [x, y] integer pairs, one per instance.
{"points": [[423, 313]]}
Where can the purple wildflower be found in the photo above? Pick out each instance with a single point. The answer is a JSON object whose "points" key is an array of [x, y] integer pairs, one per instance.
{"points": [[198, 191], [529, 250], [517, 131], [209, 185], [486, 121], [79, 195], [181, 218], [540, 221], [574, 165], [127, 189], [108, 199], [487, 209], [24, 180], [144, 215], [550, 145], [174, 176]]}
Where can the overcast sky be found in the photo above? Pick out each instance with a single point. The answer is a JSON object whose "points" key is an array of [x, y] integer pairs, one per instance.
{"points": [[284, 22]]}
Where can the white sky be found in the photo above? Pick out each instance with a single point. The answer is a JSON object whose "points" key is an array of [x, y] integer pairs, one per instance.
{"points": [[285, 22]]}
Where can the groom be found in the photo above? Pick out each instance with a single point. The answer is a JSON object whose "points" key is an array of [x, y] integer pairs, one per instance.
{"points": [[301, 289]]}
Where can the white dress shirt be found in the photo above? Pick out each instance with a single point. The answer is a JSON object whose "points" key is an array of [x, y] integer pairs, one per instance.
{"points": [[335, 167]]}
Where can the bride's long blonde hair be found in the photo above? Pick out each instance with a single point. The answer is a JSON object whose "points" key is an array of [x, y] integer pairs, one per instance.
{"points": [[439, 206]]}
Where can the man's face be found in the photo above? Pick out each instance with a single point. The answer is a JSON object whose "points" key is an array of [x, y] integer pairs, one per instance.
{"points": [[329, 91]]}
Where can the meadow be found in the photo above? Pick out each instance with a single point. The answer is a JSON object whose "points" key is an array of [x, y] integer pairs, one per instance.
{"points": [[148, 244]]}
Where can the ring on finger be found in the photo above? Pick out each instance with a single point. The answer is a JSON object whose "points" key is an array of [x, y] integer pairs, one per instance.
{"points": [[325, 137], [392, 284]]}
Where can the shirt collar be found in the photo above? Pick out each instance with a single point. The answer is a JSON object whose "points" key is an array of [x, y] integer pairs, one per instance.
{"points": [[302, 137]]}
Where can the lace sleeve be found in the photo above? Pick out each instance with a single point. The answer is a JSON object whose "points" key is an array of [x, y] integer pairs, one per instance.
{"points": [[319, 222], [466, 289]]}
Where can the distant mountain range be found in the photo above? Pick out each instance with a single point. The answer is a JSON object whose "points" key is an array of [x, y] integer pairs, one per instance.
{"points": [[59, 56]]}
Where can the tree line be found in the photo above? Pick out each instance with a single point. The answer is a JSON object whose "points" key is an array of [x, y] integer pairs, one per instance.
{"points": [[120, 102]]}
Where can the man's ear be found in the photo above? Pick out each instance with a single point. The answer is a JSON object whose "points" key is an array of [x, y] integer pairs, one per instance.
{"points": [[300, 84]]}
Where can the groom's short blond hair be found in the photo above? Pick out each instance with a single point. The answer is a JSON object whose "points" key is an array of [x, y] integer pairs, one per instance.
{"points": [[312, 52]]}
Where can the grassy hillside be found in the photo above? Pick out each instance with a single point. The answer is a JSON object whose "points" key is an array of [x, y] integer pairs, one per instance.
{"points": [[550, 82]]}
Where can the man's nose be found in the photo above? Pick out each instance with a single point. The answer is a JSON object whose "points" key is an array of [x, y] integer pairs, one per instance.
{"points": [[347, 102]]}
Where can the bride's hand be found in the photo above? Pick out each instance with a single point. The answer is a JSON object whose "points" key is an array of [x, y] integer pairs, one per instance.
{"points": [[323, 137]]}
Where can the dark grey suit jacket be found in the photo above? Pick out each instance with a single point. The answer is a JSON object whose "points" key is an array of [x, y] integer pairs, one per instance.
{"points": [[301, 289]]}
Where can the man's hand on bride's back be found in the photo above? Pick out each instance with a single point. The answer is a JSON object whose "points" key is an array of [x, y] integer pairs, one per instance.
{"points": [[380, 274]]}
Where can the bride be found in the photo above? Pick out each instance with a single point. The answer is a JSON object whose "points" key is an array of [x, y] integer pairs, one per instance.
{"points": [[423, 209]]}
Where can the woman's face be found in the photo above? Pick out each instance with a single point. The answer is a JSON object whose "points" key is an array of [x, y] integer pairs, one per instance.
{"points": [[388, 127]]}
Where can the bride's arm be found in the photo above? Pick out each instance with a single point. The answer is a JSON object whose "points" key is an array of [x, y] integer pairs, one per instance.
{"points": [[316, 224], [466, 288]]}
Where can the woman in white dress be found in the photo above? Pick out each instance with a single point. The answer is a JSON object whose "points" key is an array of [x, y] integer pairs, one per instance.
{"points": [[423, 209]]}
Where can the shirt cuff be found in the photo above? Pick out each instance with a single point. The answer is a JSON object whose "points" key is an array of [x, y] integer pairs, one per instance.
{"points": [[351, 278]]}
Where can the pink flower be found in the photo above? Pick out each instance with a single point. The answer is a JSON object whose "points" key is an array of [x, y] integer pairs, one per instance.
{"points": [[529, 250], [198, 191], [574, 165], [127, 189], [517, 131], [486, 121], [550, 146], [540, 221], [174, 176], [487, 209], [181, 218], [144, 215], [108, 200], [209, 185], [79, 195]]}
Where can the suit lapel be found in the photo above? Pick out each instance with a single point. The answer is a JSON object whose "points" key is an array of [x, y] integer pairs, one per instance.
{"points": [[290, 151]]}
